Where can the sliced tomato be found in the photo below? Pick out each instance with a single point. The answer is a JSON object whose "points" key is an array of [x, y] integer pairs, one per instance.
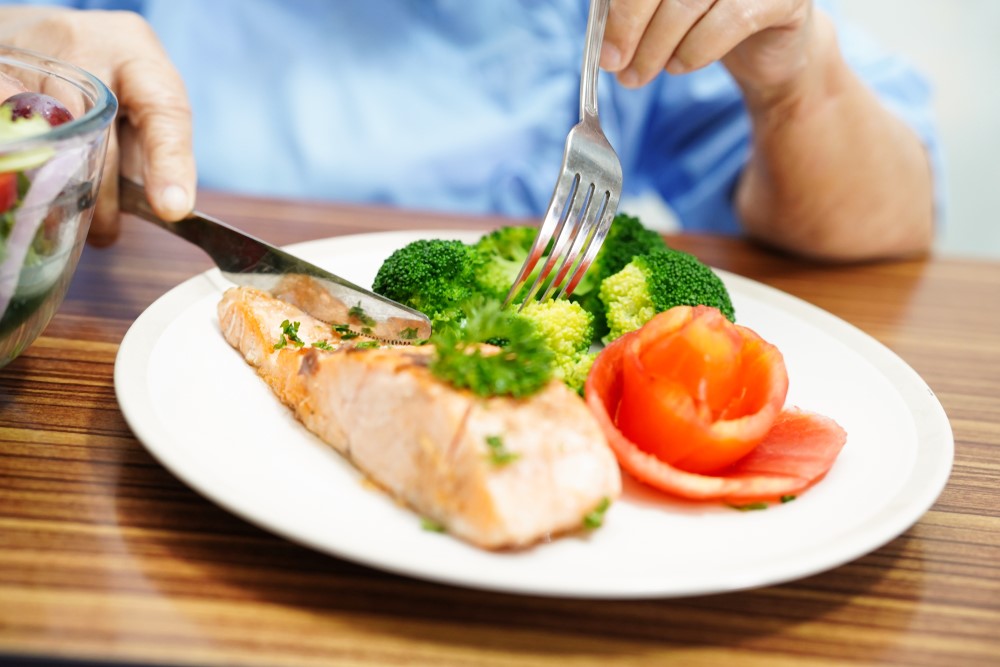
{"points": [[8, 191], [699, 392], [796, 449]]}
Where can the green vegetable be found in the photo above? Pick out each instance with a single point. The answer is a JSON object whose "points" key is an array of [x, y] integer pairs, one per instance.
{"points": [[289, 334], [368, 345], [358, 313], [323, 345], [434, 276], [595, 518], [500, 256], [519, 369], [658, 281], [567, 329], [344, 331], [626, 239], [751, 507], [431, 525], [14, 129], [450, 281], [498, 452]]}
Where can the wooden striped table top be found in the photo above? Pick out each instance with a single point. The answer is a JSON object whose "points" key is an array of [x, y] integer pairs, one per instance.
{"points": [[106, 557]]}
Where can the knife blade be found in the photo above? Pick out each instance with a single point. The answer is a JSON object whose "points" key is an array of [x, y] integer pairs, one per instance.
{"points": [[246, 260]]}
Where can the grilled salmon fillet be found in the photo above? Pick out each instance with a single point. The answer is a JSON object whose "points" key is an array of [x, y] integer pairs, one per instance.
{"points": [[426, 442]]}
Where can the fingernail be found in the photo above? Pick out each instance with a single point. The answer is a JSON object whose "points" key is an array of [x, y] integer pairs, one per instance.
{"points": [[629, 78], [176, 200], [611, 57], [675, 66]]}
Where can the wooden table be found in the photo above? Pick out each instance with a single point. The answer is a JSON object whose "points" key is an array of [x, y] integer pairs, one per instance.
{"points": [[106, 556]]}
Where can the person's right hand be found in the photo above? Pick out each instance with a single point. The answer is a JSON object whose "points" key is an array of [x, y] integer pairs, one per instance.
{"points": [[151, 141]]}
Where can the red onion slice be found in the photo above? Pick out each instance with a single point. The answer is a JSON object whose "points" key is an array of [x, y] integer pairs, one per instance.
{"points": [[48, 182]]}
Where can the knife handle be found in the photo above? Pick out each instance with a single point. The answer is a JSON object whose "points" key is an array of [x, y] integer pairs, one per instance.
{"points": [[197, 228]]}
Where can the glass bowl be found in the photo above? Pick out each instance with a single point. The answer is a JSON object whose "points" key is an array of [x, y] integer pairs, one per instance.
{"points": [[48, 188]]}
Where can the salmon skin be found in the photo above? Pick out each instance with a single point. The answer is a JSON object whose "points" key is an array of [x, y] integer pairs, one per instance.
{"points": [[430, 445]]}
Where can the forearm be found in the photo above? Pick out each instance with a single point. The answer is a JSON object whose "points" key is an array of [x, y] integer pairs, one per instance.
{"points": [[833, 174]]}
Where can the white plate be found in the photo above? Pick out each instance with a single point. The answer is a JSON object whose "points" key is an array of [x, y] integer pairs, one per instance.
{"points": [[201, 410]]}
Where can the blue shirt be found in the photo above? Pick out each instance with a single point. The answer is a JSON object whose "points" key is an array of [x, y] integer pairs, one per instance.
{"points": [[453, 105]]}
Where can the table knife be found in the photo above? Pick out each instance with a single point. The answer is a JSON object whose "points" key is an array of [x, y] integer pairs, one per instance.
{"points": [[246, 260]]}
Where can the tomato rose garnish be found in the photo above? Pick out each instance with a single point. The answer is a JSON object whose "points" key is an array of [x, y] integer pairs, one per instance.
{"points": [[699, 392], [692, 404]]}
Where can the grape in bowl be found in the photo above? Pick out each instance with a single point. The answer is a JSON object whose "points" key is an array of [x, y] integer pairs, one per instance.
{"points": [[54, 126]]}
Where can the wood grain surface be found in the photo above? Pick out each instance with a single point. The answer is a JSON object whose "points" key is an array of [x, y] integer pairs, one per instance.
{"points": [[107, 557]]}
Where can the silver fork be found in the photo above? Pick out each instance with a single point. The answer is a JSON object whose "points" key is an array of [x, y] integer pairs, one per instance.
{"points": [[586, 195]]}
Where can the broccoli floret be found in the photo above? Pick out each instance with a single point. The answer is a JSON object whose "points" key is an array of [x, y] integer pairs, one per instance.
{"points": [[574, 374], [626, 239], [521, 368], [501, 254], [658, 281], [434, 276], [567, 329]]}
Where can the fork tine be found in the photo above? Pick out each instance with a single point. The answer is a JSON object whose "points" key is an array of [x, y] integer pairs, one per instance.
{"points": [[590, 216], [564, 239], [580, 255], [552, 225], [605, 217]]}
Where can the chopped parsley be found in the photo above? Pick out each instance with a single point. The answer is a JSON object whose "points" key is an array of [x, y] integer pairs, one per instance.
{"points": [[432, 526], [289, 334], [358, 313], [595, 518], [409, 333], [367, 345], [344, 331], [761, 505], [323, 345], [750, 507], [499, 454]]}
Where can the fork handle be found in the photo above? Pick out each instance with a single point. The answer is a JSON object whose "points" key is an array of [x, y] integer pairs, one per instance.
{"points": [[596, 20]]}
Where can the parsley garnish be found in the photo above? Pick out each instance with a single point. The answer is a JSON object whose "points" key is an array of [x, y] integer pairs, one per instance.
{"points": [[522, 368], [344, 330], [323, 345], [595, 518], [431, 525], [750, 507], [359, 314], [367, 345], [289, 334], [409, 333], [499, 454]]}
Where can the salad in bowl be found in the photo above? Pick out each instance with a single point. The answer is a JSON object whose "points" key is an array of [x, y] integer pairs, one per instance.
{"points": [[54, 126]]}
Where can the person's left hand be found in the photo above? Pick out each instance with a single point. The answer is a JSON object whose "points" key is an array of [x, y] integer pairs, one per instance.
{"points": [[763, 43]]}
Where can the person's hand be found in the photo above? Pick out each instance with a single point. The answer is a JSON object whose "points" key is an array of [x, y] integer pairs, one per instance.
{"points": [[151, 141], [763, 43], [804, 187]]}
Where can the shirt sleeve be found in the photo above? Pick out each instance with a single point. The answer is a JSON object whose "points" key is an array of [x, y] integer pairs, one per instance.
{"points": [[695, 138]]}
